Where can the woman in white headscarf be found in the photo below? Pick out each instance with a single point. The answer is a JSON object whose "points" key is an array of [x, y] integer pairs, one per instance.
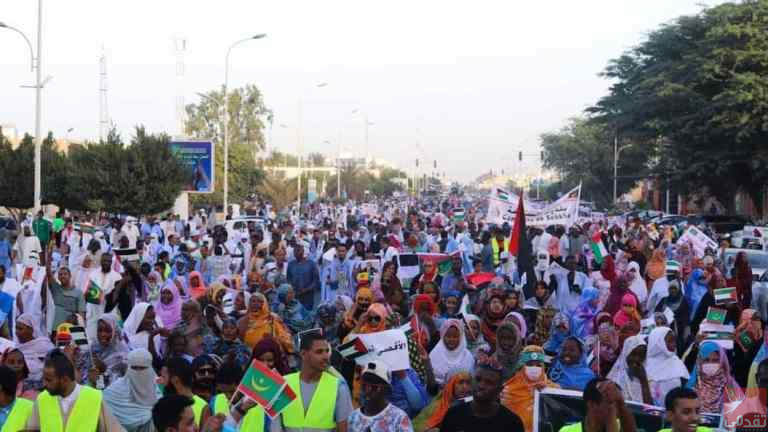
{"points": [[665, 369], [143, 328], [32, 344], [451, 355], [629, 371], [132, 396], [637, 282]]}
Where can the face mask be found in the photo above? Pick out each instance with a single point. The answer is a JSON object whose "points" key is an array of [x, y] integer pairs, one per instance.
{"points": [[533, 372], [710, 369]]}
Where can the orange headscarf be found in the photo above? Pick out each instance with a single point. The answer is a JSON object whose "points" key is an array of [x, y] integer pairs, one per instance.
{"points": [[379, 310], [349, 317], [199, 290], [657, 266], [517, 394], [447, 397]]}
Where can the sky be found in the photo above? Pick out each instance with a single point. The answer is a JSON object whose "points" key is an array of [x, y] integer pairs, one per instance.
{"points": [[468, 84]]}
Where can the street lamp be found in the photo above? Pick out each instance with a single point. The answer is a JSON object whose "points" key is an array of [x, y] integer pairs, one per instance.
{"points": [[616, 151], [226, 115], [299, 147], [366, 123], [36, 63]]}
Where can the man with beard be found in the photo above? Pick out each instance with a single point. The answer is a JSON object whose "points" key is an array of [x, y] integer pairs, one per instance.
{"points": [[178, 376], [304, 276], [327, 396], [65, 402], [205, 368], [100, 285], [337, 276], [484, 412]]}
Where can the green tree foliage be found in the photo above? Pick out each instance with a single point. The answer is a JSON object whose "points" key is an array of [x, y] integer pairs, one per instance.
{"points": [[247, 116], [582, 152], [695, 95], [356, 182], [141, 178]]}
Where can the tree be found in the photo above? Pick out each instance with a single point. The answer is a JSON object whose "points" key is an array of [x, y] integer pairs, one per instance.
{"points": [[247, 115], [17, 166], [695, 95], [142, 178], [277, 190], [316, 159], [582, 152]]}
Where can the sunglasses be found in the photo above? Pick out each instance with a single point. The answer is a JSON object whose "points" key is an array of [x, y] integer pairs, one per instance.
{"points": [[627, 305], [206, 371], [374, 319]]}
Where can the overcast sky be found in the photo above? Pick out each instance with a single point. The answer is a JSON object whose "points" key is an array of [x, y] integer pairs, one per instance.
{"points": [[473, 82]]}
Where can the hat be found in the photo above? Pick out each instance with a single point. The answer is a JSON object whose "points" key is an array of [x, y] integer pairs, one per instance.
{"points": [[708, 260], [379, 370], [673, 266]]}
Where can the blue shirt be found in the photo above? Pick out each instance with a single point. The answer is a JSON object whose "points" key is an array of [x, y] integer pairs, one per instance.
{"points": [[409, 394], [303, 275]]}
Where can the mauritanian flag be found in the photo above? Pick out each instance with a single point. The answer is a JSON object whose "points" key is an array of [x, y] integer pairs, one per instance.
{"points": [[267, 388], [598, 248], [93, 294], [715, 315], [725, 296]]}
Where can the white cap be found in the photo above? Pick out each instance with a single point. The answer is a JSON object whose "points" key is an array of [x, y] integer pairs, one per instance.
{"points": [[378, 369]]}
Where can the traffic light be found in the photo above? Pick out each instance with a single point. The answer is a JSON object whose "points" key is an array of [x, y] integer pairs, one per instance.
{"points": [[520, 156], [542, 155], [417, 163], [435, 164]]}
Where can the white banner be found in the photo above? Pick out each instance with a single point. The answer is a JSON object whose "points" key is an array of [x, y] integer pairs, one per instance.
{"points": [[501, 211], [564, 211], [389, 346], [698, 239]]}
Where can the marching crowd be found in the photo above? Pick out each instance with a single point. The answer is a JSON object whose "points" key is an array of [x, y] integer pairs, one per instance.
{"points": [[175, 312]]}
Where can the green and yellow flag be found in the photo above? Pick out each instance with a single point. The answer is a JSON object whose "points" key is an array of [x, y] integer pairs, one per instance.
{"points": [[93, 294], [267, 388]]}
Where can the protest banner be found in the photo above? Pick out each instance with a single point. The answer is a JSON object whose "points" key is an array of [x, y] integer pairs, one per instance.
{"points": [[698, 239], [389, 346], [500, 211], [564, 211], [555, 408]]}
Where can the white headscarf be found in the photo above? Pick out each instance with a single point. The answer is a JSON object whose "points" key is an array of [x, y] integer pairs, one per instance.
{"points": [[36, 349], [619, 375], [637, 285], [447, 362], [662, 364], [139, 339], [132, 396]]}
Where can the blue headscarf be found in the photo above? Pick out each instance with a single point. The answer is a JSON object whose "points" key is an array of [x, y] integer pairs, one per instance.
{"points": [[448, 294], [695, 289], [575, 376], [293, 313], [582, 320], [557, 336]]}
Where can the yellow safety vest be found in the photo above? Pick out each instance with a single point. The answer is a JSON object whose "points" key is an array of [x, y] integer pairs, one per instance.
{"points": [[698, 429], [253, 420], [495, 247], [322, 407], [220, 404], [197, 407], [83, 417], [17, 418]]}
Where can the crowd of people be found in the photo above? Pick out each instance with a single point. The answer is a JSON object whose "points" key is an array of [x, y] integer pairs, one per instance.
{"points": [[175, 312]]}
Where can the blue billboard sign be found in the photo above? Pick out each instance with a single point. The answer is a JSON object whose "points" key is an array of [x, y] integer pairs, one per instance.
{"points": [[198, 158]]}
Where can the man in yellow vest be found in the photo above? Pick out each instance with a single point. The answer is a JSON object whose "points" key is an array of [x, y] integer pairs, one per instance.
{"points": [[16, 410], [605, 409], [323, 402], [178, 375], [65, 405], [499, 244], [683, 409]]}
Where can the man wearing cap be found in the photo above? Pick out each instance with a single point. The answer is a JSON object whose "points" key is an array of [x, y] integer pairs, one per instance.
{"points": [[376, 413]]}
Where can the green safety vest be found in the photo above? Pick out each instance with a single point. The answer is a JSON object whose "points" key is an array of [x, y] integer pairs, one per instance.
{"points": [[198, 406], [495, 247], [220, 404], [81, 418], [17, 418], [253, 420], [698, 429], [322, 407]]}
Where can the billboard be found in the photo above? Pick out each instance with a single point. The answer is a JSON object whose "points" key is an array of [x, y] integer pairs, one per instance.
{"points": [[198, 158]]}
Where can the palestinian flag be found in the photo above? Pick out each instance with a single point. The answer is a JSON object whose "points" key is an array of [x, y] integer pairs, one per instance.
{"points": [[725, 296], [267, 388], [78, 336], [502, 194], [406, 328], [715, 315], [457, 215], [93, 294], [353, 349], [480, 279], [84, 228], [598, 248], [442, 261]]}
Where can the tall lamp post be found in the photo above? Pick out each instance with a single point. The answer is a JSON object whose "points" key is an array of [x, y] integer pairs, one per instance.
{"points": [[299, 146], [36, 63], [616, 152], [226, 118]]}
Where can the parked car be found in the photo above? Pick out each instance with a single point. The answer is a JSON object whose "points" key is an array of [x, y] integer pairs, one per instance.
{"points": [[720, 224], [644, 215], [758, 260], [672, 220]]}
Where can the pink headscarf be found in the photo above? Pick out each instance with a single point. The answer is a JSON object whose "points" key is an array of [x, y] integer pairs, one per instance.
{"points": [[622, 317], [169, 314]]}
